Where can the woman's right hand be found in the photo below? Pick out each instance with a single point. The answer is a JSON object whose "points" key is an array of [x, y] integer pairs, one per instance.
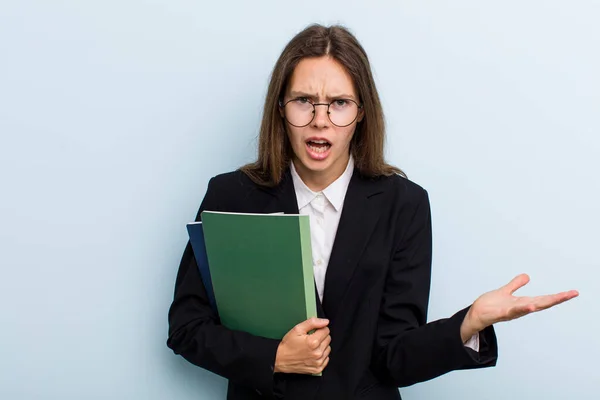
{"points": [[301, 353]]}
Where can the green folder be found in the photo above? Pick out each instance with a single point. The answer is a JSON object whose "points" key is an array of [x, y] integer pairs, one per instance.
{"points": [[261, 270]]}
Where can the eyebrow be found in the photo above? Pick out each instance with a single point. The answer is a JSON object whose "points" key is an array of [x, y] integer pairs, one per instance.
{"points": [[294, 93]]}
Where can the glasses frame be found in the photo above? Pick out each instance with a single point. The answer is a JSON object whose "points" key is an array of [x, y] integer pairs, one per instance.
{"points": [[314, 112]]}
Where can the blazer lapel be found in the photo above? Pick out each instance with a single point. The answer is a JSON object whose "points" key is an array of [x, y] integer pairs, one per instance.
{"points": [[360, 214]]}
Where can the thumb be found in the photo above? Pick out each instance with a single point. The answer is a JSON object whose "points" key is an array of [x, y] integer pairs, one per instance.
{"points": [[311, 324], [517, 282]]}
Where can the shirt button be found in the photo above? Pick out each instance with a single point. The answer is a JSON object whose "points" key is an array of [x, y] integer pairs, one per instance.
{"points": [[319, 262]]}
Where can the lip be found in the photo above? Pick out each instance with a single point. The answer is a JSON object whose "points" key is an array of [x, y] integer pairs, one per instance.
{"points": [[320, 156], [315, 138]]}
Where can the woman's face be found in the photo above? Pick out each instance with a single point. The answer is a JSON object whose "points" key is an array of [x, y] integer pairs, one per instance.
{"points": [[321, 149]]}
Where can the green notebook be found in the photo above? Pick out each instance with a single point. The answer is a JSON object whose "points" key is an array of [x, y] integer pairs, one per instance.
{"points": [[261, 270]]}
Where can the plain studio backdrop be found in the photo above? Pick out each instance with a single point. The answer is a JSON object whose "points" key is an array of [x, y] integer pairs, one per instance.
{"points": [[114, 115]]}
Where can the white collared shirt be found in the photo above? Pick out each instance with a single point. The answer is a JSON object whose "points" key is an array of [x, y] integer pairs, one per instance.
{"points": [[324, 209]]}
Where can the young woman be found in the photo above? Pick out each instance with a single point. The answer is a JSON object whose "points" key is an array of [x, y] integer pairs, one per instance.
{"points": [[321, 153]]}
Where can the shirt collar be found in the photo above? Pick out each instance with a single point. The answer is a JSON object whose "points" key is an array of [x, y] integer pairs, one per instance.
{"points": [[334, 193]]}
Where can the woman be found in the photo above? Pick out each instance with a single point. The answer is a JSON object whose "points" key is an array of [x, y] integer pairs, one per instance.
{"points": [[321, 153]]}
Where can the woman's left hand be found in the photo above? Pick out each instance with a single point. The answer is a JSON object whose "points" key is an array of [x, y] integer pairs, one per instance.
{"points": [[500, 305]]}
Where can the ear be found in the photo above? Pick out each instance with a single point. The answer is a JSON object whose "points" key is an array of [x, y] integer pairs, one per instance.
{"points": [[361, 115]]}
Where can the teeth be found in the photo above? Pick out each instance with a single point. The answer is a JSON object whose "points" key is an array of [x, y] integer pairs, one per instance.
{"points": [[318, 149], [320, 141]]}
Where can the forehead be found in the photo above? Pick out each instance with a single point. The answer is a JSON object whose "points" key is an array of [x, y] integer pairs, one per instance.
{"points": [[322, 76]]}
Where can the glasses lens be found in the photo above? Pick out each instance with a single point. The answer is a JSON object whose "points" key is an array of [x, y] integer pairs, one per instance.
{"points": [[343, 112], [299, 112]]}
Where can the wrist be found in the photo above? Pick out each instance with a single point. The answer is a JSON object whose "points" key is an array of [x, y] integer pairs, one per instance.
{"points": [[278, 356], [469, 327]]}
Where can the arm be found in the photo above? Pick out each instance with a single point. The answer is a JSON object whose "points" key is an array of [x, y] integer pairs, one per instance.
{"points": [[407, 350], [197, 335]]}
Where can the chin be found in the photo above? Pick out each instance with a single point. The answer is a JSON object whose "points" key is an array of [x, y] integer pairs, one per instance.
{"points": [[315, 165]]}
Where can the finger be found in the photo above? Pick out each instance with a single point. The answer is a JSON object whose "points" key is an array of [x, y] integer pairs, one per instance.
{"points": [[518, 282], [321, 334], [319, 361], [520, 310], [527, 305], [314, 340], [322, 367], [322, 347], [311, 324], [544, 302]]}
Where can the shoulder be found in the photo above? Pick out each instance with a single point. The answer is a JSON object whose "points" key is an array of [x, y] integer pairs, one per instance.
{"points": [[232, 186], [402, 190], [407, 206], [233, 182], [234, 191]]}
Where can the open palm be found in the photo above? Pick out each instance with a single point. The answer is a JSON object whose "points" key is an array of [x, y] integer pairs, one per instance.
{"points": [[501, 305]]}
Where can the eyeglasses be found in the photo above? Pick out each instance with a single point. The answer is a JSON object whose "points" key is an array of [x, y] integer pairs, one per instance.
{"points": [[300, 112]]}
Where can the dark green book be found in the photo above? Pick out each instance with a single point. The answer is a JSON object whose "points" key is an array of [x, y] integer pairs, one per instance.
{"points": [[261, 270]]}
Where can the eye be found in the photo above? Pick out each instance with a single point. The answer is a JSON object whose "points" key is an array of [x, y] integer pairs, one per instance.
{"points": [[301, 100], [340, 102]]}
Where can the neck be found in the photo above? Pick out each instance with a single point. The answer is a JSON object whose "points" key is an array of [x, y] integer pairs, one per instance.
{"points": [[319, 180]]}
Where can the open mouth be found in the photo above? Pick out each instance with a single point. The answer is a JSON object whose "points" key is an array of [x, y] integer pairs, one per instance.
{"points": [[318, 149], [318, 146]]}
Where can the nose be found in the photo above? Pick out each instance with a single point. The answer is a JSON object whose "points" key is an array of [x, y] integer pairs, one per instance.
{"points": [[321, 119]]}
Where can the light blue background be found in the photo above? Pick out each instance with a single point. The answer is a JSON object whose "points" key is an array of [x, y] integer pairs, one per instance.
{"points": [[114, 115]]}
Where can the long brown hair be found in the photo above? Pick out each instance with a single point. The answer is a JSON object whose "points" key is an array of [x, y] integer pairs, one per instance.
{"points": [[367, 146]]}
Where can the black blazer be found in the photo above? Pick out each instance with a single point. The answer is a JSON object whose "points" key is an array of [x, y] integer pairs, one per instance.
{"points": [[376, 296]]}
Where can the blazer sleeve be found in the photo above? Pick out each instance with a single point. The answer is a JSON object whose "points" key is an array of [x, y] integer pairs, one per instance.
{"points": [[196, 333], [407, 350]]}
